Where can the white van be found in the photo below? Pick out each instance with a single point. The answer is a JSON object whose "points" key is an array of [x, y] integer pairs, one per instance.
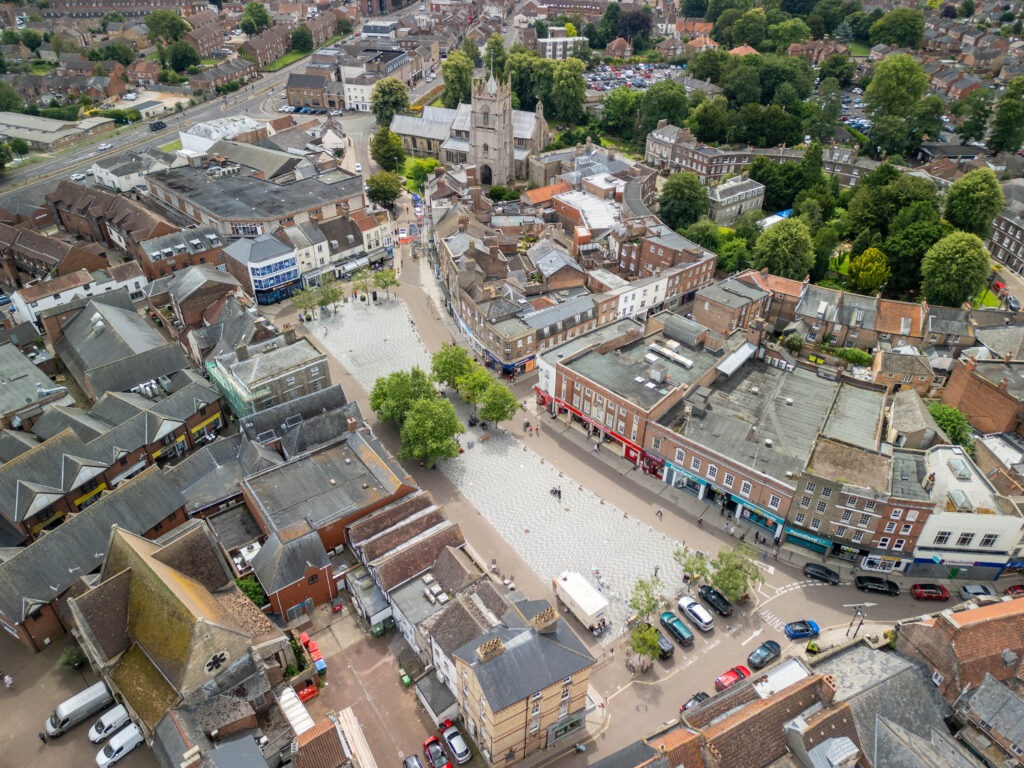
{"points": [[78, 708], [120, 744], [109, 721]]}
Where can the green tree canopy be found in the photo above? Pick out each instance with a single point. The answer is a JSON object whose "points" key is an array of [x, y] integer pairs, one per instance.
{"points": [[474, 384], [621, 112], [665, 100], [840, 67], [974, 111], [683, 200], [389, 95], [393, 396], [901, 27], [643, 640], [429, 430], [869, 271], [257, 13], [735, 571], [785, 249], [10, 99], [693, 563], [165, 26], [385, 279], [954, 269], [19, 146], [973, 201], [420, 171], [302, 39], [181, 56], [954, 424], [457, 71], [645, 597], [1007, 134], [470, 49], [709, 120], [495, 55], [31, 39], [568, 91], [899, 82], [498, 404], [384, 188], [330, 292], [386, 149], [449, 364]]}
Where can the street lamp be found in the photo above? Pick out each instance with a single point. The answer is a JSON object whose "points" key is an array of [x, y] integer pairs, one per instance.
{"points": [[857, 613]]}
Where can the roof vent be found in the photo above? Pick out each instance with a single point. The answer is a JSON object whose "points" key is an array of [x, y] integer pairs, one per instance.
{"points": [[767, 442], [333, 481], [755, 391]]}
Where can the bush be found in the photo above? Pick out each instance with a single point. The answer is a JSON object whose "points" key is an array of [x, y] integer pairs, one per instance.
{"points": [[849, 354], [794, 343], [72, 657], [252, 589], [300, 653]]}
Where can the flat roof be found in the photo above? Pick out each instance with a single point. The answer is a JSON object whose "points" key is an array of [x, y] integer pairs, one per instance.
{"points": [[856, 416]]}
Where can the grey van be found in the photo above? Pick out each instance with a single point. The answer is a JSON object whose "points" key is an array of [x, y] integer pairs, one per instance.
{"points": [[78, 708]]}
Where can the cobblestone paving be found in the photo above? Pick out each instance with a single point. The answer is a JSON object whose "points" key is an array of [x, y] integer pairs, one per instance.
{"points": [[509, 483]]}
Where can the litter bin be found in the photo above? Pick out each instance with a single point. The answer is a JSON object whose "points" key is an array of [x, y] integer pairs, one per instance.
{"points": [[377, 630], [404, 676]]}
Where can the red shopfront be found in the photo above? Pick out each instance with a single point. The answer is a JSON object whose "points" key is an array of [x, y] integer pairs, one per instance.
{"points": [[630, 450]]}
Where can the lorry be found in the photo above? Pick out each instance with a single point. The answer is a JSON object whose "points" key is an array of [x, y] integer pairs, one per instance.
{"points": [[583, 600]]}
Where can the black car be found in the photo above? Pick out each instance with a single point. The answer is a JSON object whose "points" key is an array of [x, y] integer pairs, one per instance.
{"points": [[694, 700], [764, 654], [715, 599], [665, 647], [821, 573], [157, 125], [876, 584]]}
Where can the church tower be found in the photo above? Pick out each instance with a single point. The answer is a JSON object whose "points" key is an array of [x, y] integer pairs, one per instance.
{"points": [[491, 144]]}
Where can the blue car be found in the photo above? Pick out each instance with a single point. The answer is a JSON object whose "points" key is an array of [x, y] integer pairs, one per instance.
{"points": [[800, 629], [4, 299]]}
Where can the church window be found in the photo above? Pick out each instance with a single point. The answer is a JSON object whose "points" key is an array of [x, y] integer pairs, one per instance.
{"points": [[485, 150], [485, 117]]}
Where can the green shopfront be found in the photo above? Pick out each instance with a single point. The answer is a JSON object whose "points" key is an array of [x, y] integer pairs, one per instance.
{"points": [[807, 540]]}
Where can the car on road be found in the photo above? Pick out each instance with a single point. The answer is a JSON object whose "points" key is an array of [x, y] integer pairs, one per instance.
{"points": [[4, 299], [675, 627], [696, 613], [435, 754], [78, 177], [821, 573], [665, 647], [731, 677], [797, 630], [929, 592], [1013, 303], [694, 700], [715, 599], [403, 233], [876, 584], [104, 146], [970, 591], [1014, 590], [457, 744], [337, 112], [764, 654], [998, 287], [359, 167]]}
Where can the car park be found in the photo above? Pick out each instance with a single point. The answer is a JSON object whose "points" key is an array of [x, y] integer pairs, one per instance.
{"points": [[675, 627], [731, 677], [797, 630], [696, 613], [876, 584], [764, 654], [458, 746], [715, 599], [435, 754], [694, 700], [929, 592], [970, 591], [120, 744], [1014, 590], [821, 573]]}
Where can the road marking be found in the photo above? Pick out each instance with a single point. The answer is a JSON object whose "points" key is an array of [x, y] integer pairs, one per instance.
{"points": [[753, 634], [772, 620], [769, 569], [708, 647]]}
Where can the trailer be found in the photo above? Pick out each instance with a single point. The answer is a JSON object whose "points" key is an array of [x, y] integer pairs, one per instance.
{"points": [[583, 601]]}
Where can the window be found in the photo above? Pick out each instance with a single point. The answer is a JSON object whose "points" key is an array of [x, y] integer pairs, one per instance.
{"points": [[746, 488], [841, 531], [695, 463], [898, 546], [712, 471], [815, 524], [826, 493], [896, 514], [858, 537], [535, 696], [890, 527], [680, 455], [811, 487], [729, 480], [656, 443], [989, 540], [911, 515], [805, 502], [883, 543], [942, 537], [822, 506], [869, 506], [865, 520], [774, 501], [800, 517], [851, 501], [847, 515], [965, 540]]}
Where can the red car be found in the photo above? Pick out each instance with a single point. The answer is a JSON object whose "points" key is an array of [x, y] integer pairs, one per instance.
{"points": [[1015, 590], [998, 288], [929, 592], [731, 677], [435, 754]]}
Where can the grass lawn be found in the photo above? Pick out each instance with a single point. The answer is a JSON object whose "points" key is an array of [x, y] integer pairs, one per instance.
{"points": [[289, 58], [841, 264], [986, 299], [172, 147], [858, 49]]}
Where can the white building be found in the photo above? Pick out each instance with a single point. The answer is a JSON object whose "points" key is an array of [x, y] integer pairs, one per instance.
{"points": [[560, 48], [124, 172], [28, 302], [201, 136]]}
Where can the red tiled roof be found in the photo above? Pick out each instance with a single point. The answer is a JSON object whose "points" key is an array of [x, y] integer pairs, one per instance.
{"points": [[320, 747], [544, 194]]}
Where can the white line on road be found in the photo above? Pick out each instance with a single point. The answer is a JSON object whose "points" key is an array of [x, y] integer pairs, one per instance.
{"points": [[753, 634]]}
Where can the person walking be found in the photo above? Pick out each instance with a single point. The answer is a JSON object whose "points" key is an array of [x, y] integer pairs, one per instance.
{"points": [[700, 521], [8, 681], [597, 447], [660, 513], [42, 737]]}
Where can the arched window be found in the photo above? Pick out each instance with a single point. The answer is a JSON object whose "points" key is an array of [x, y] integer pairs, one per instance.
{"points": [[485, 150]]}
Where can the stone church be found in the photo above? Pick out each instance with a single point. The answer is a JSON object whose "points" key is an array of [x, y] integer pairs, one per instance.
{"points": [[486, 133]]}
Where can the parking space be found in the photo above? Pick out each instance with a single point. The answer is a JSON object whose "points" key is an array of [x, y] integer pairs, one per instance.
{"points": [[638, 76]]}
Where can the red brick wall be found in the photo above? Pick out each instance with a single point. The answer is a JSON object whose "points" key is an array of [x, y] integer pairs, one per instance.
{"points": [[987, 408], [321, 592]]}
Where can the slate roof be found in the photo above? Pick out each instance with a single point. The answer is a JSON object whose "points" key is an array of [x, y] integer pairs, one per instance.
{"points": [[898, 747], [284, 559], [248, 250], [1000, 707], [271, 163], [266, 425], [1003, 340], [913, 365]]}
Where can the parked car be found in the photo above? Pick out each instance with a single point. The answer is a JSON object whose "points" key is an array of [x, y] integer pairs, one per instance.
{"points": [[359, 167], [435, 754], [696, 613], [1014, 590], [715, 599], [731, 677], [120, 744], [929, 592], [1013, 303], [970, 591], [457, 744], [764, 654], [4, 299], [694, 700], [675, 627], [78, 177], [876, 584], [665, 647], [797, 630], [821, 573], [998, 288], [412, 761], [110, 721]]}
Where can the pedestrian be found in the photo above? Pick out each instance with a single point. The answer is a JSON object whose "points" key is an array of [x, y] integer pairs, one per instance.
{"points": [[733, 531], [42, 737], [538, 429], [597, 447], [725, 526], [8, 681], [700, 521], [660, 514], [721, 512]]}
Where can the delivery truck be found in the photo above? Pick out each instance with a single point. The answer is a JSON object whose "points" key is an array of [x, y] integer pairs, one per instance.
{"points": [[583, 600]]}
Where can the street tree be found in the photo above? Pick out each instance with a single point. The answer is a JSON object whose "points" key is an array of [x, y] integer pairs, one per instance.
{"points": [[429, 430], [473, 384], [693, 564], [495, 56], [973, 201], [568, 91], [305, 300], [383, 188], [498, 404], [954, 269], [1007, 134], [869, 271], [457, 71], [683, 200], [974, 111], [388, 97], [386, 149], [735, 571], [785, 249], [901, 27], [450, 363], [302, 39], [899, 82], [361, 280], [181, 56], [385, 279], [645, 597], [332, 291], [643, 640], [163, 27], [393, 396], [954, 424], [257, 12]]}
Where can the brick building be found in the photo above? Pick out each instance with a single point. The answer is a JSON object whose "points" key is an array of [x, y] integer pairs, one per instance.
{"points": [[306, 90], [988, 392]]}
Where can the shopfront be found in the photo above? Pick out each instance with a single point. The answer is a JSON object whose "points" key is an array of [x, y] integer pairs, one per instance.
{"points": [[597, 431], [762, 518], [678, 477], [807, 540], [889, 562], [948, 565], [846, 552]]}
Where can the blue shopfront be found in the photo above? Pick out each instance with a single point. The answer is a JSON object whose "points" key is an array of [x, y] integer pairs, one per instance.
{"points": [[807, 540], [736, 506]]}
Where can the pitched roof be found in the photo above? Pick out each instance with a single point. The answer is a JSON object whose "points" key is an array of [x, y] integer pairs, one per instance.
{"points": [[285, 557], [544, 194], [320, 747]]}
